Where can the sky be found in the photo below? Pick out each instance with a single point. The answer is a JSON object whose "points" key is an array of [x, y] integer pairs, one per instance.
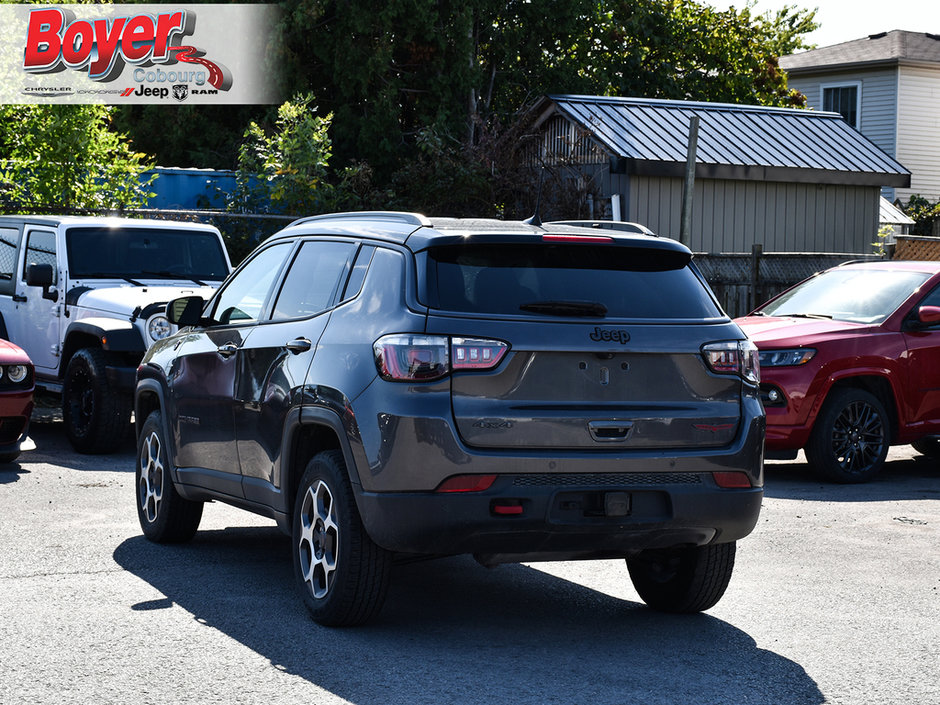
{"points": [[844, 20]]}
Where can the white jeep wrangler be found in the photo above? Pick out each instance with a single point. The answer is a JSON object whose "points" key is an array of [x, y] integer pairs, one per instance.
{"points": [[86, 296]]}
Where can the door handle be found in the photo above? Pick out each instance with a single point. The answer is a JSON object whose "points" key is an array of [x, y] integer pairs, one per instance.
{"points": [[227, 350], [298, 345], [19, 298]]}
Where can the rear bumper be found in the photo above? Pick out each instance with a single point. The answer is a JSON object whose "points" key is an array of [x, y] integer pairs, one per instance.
{"points": [[563, 521], [562, 504]]}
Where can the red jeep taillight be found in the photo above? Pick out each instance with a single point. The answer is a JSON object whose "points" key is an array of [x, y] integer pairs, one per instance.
{"points": [[404, 357], [733, 357]]}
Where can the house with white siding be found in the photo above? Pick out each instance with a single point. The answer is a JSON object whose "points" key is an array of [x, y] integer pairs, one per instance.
{"points": [[886, 86]]}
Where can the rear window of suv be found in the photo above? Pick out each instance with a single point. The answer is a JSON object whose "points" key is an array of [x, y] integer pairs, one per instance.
{"points": [[555, 279]]}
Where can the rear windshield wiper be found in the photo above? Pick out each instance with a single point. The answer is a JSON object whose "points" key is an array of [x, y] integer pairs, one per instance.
{"points": [[566, 308], [171, 275]]}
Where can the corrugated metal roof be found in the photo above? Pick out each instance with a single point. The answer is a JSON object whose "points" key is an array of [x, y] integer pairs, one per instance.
{"points": [[737, 142], [892, 215]]}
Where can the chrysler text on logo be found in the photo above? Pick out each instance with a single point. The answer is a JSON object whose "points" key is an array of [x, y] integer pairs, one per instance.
{"points": [[50, 92], [610, 335]]}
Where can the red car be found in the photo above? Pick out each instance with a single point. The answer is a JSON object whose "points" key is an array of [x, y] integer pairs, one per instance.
{"points": [[850, 364], [16, 399]]}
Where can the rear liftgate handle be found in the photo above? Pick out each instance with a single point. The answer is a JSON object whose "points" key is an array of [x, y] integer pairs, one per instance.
{"points": [[610, 431]]}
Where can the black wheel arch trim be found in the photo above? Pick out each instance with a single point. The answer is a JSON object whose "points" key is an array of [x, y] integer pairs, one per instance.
{"points": [[116, 340], [280, 498], [152, 385]]}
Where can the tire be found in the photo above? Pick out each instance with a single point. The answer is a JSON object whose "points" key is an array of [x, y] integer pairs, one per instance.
{"points": [[6, 458], [342, 574], [683, 580], [165, 516], [850, 439], [929, 446], [97, 416]]}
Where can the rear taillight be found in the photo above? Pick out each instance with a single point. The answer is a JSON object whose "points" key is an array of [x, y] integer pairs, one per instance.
{"points": [[405, 357], [733, 357], [476, 353]]}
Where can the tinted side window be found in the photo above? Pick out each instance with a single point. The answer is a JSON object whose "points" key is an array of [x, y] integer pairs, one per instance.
{"points": [[627, 282], [319, 268], [9, 242], [243, 297], [40, 249]]}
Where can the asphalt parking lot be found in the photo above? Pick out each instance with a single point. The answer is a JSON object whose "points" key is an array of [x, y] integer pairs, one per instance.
{"points": [[835, 599]]}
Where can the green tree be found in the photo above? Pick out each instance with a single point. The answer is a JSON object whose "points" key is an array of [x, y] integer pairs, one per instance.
{"points": [[390, 73], [67, 156], [285, 170]]}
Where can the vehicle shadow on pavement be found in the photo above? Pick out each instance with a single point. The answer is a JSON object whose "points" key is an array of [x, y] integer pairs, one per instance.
{"points": [[10, 472], [902, 478], [452, 631], [52, 446]]}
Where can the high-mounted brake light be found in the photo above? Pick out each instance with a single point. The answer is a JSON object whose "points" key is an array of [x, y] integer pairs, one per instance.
{"points": [[577, 238], [422, 358]]}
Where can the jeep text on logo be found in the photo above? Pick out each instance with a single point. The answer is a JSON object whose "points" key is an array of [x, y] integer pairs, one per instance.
{"points": [[55, 39], [608, 335]]}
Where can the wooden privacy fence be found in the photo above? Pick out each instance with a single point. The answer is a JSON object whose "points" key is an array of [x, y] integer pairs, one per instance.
{"points": [[915, 247], [743, 281]]}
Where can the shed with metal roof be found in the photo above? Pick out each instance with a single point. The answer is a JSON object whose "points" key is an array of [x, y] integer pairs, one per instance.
{"points": [[789, 180]]}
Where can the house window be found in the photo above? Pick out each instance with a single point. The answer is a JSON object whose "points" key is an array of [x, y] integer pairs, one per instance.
{"points": [[845, 100]]}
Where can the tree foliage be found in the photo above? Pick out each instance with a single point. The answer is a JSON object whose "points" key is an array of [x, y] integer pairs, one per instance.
{"points": [[926, 215], [390, 73], [67, 156], [285, 170]]}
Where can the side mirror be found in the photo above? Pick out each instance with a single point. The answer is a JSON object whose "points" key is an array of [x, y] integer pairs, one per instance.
{"points": [[928, 315], [185, 311], [42, 275]]}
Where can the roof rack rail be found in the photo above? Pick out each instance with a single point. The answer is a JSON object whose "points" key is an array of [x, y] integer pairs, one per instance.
{"points": [[393, 216], [607, 225]]}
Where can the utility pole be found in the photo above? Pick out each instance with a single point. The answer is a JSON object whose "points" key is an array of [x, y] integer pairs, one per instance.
{"points": [[688, 191]]}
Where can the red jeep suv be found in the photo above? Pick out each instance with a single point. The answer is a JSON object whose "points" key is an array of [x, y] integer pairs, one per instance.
{"points": [[850, 364]]}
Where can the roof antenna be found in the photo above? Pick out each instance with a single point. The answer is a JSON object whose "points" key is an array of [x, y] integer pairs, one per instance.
{"points": [[536, 220]]}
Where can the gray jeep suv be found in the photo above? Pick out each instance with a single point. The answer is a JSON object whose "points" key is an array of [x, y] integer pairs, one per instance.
{"points": [[384, 384]]}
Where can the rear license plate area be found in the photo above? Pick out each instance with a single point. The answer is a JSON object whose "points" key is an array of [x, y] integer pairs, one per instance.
{"points": [[578, 506]]}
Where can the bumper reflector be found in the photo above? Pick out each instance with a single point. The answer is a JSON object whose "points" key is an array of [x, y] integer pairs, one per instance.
{"points": [[506, 507], [467, 483], [732, 480]]}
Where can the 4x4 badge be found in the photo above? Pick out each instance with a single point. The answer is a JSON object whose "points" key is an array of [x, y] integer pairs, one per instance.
{"points": [[610, 335]]}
